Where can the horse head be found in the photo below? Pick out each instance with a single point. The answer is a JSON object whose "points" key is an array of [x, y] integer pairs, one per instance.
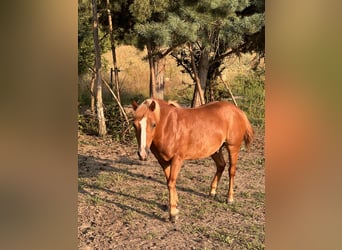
{"points": [[146, 118]]}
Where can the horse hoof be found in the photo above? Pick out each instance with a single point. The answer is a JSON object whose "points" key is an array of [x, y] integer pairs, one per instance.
{"points": [[230, 201], [212, 195], [173, 218]]}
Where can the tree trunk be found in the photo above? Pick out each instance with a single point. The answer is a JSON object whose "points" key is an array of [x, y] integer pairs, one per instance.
{"points": [[159, 62], [152, 71], [116, 88], [98, 79], [200, 77]]}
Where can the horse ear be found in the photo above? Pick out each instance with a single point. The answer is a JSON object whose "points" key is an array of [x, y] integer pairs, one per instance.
{"points": [[152, 106], [134, 105]]}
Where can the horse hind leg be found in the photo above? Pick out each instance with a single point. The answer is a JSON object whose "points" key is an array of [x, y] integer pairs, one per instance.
{"points": [[220, 166], [233, 153]]}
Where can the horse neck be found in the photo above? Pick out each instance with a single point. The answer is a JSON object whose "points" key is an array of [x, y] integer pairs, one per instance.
{"points": [[165, 118], [165, 109]]}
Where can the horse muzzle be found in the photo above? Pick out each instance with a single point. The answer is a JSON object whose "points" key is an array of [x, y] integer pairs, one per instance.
{"points": [[143, 154]]}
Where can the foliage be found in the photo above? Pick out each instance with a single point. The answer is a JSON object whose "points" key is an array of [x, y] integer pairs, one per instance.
{"points": [[217, 25], [87, 124], [183, 94], [224, 28], [249, 91], [150, 19], [86, 55], [116, 125], [252, 88], [122, 20]]}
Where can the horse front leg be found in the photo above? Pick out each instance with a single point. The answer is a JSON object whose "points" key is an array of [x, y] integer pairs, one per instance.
{"points": [[166, 166], [167, 170], [173, 197]]}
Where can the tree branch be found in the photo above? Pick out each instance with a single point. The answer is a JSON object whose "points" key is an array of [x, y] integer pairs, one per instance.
{"points": [[197, 80], [117, 100], [222, 56], [180, 62], [230, 92], [168, 51]]}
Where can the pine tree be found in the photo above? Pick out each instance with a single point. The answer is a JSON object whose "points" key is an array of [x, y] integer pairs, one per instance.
{"points": [[85, 37], [224, 28], [150, 17], [200, 35]]}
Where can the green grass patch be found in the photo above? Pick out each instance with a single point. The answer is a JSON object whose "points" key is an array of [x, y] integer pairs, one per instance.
{"points": [[222, 236], [94, 200], [259, 196]]}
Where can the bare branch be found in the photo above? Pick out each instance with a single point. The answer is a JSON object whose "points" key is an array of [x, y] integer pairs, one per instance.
{"points": [[117, 100], [229, 90]]}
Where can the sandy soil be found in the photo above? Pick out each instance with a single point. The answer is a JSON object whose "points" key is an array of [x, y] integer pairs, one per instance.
{"points": [[122, 201]]}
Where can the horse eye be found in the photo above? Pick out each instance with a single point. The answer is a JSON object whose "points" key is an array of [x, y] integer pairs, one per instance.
{"points": [[153, 125]]}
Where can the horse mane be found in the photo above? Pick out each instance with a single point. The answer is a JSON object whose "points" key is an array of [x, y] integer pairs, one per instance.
{"points": [[174, 103]]}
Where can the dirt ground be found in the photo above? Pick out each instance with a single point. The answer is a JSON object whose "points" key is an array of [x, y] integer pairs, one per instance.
{"points": [[122, 201]]}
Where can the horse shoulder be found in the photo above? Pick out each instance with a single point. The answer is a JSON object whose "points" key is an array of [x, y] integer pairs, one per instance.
{"points": [[164, 141]]}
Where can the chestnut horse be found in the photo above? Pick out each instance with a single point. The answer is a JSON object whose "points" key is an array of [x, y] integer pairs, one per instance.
{"points": [[175, 134]]}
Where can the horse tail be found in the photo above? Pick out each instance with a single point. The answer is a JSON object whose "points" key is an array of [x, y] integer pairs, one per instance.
{"points": [[249, 134]]}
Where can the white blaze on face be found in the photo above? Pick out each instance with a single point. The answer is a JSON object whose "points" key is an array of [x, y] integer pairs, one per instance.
{"points": [[143, 136]]}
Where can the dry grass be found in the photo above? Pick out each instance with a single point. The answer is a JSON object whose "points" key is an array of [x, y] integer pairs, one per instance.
{"points": [[134, 74], [134, 70]]}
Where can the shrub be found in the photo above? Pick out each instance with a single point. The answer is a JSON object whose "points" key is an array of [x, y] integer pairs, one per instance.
{"points": [[87, 124], [116, 124], [252, 90]]}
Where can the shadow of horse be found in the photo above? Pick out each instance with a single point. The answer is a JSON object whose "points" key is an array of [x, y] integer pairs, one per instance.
{"points": [[90, 167], [123, 206], [99, 165]]}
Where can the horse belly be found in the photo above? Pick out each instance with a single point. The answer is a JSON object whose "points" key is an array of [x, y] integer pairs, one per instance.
{"points": [[201, 132], [202, 148]]}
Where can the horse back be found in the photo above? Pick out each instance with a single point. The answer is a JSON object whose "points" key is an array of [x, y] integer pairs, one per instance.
{"points": [[199, 132], [207, 127]]}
